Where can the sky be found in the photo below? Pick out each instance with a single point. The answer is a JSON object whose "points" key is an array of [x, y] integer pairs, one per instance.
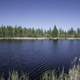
{"points": [[40, 13]]}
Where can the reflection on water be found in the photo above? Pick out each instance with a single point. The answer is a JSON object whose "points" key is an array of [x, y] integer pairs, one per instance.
{"points": [[36, 56]]}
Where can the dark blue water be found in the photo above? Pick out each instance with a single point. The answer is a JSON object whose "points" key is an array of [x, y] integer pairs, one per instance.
{"points": [[36, 56]]}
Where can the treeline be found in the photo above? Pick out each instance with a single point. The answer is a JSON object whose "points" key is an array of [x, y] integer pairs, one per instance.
{"points": [[18, 31]]}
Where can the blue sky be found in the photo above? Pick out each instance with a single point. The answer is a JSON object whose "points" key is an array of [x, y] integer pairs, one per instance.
{"points": [[40, 13]]}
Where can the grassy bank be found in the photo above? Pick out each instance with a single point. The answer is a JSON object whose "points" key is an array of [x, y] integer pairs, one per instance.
{"points": [[23, 38], [37, 38], [14, 75], [73, 74]]}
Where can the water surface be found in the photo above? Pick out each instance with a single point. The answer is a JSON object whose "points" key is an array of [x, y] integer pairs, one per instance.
{"points": [[36, 56]]}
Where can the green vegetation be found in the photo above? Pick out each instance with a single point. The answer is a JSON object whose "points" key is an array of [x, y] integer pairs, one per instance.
{"points": [[18, 31], [73, 74], [9, 31], [15, 76]]}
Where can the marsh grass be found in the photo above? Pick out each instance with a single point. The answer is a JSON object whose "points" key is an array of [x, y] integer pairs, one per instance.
{"points": [[73, 74], [14, 75]]}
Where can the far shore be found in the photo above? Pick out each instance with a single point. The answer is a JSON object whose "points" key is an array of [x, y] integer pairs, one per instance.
{"points": [[36, 38]]}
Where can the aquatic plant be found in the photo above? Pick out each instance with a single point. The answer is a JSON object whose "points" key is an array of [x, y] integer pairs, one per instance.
{"points": [[73, 74], [14, 75]]}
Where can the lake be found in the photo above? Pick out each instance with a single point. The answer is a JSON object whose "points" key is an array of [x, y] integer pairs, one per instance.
{"points": [[37, 56]]}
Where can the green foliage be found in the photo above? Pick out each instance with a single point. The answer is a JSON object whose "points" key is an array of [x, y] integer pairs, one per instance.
{"points": [[18, 76], [71, 32], [19, 31], [73, 74], [55, 32]]}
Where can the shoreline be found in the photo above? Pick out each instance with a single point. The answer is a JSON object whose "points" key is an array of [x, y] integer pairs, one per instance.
{"points": [[36, 38]]}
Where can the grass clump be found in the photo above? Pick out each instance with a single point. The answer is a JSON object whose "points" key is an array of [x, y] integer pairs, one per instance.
{"points": [[73, 73], [14, 75]]}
